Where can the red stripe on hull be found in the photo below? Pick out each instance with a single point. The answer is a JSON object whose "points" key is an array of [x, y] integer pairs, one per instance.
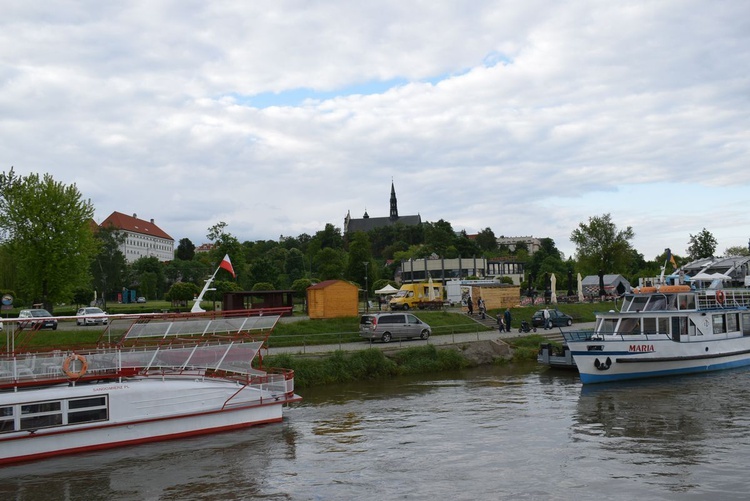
{"points": [[113, 445]]}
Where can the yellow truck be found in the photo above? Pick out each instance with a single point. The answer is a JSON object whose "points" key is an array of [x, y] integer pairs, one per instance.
{"points": [[418, 296]]}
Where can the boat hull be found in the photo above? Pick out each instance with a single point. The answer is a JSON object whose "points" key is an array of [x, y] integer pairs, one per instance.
{"points": [[141, 411], [636, 357]]}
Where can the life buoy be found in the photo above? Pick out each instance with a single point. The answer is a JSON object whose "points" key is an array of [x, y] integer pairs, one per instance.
{"points": [[71, 373], [720, 297]]}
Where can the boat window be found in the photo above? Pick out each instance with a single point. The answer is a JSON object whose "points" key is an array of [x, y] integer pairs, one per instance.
{"points": [[649, 326], [83, 410], [626, 302], [639, 303], [733, 322], [686, 301], [41, 415], [746, 324], [6, 419], [719, 324], [656, 303], [630, 326], [663, 327], [607, 326]]}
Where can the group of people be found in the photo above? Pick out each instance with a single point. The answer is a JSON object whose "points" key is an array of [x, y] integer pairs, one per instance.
{"points": [[503, 318]]}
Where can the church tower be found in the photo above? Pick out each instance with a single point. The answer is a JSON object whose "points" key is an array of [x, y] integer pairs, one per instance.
{"points": [[394, 204]]}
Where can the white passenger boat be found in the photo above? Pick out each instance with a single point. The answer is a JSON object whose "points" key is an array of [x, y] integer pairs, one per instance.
{"points": [[163, 379], [665, 330]]}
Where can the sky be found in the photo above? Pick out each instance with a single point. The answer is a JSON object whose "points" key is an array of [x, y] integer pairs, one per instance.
{"points": [[278, 117]]}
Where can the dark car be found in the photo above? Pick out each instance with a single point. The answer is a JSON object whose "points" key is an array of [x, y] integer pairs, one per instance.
{"points": [[549, 318], [30, 318]]}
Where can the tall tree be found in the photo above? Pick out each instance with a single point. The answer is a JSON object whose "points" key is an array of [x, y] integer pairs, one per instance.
{"points": [[601, 246], [185, 250], [439, 236], [359, 254], [486, 240], [702, 245], [49, 228], [109, 267]]}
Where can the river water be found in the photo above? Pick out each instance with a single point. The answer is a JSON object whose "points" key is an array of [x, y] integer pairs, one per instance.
{"points": [[489, 433]]}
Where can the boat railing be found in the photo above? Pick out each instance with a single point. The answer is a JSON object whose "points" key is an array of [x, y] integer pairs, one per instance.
{"points": [[39, 368], [597, 336], [723, 298]]}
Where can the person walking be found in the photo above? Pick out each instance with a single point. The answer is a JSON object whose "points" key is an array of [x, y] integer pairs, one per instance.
{"points": [[507, 319], [470, 306], [500, 322], [481, 308]]}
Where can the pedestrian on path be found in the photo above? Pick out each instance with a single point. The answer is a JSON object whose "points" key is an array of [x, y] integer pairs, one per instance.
{"points": [[470, 306], [500, 321], [481, 307], [507, 319]]}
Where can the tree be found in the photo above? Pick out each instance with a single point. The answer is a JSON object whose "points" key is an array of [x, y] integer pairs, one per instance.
{"points": [[439, 236], [147, 276], [49, 229], [486, 240], [737, 250], [330, 264], [701, 245], [109, 267], [359, 254], [182, 292], [601, 246], [185, 250]]}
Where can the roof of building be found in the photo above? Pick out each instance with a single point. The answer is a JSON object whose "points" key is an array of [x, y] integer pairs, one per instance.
{"points": [[326, 283], [134, 225], [370, 223]]}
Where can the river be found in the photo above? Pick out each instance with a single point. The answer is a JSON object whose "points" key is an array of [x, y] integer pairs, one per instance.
{"points": [[489, 433]]}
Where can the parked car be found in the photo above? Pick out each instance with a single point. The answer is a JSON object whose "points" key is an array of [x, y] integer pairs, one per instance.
{"points": [[30, 318], [549, 318], [141, 300], [387, 326], [91, 315]]}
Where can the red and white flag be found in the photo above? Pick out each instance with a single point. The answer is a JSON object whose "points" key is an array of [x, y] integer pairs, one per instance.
{"points": [[227, 265]]}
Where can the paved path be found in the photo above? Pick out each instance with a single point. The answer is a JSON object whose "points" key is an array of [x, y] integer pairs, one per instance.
{"points": [[469, 337]]}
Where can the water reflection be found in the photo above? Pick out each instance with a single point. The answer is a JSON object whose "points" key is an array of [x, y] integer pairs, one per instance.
{"points": [[667, 429]]}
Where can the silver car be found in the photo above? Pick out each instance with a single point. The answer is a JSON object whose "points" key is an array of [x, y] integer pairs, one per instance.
{"points": [[387, 326]]}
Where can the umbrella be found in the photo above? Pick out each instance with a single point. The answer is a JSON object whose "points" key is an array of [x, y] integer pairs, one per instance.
{"points": [[553, 284], [580, 288]]}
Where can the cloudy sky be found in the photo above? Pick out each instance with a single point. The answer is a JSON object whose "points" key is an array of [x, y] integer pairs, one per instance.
{"points": [[278, 117]]}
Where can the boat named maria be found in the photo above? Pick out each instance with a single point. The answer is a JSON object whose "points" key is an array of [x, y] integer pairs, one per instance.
{"points": [[663, 330]]}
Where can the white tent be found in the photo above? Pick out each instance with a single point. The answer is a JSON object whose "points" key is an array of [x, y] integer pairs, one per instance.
{"points": [[388, 289]]}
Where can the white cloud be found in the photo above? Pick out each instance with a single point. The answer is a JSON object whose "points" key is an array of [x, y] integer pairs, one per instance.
{"points": [[527, 119]]}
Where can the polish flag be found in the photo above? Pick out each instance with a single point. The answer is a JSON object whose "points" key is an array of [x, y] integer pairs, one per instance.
{"points": [[227, 265]]}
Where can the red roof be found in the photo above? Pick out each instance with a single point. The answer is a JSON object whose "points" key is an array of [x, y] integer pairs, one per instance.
{"points": [[134, 225]]}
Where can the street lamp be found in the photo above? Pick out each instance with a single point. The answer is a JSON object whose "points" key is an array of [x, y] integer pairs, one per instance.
{"points": [[367, 303]]}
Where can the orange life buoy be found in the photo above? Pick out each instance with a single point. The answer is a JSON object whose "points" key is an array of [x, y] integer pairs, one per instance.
{"points": [[71, 373], [720, 297]]}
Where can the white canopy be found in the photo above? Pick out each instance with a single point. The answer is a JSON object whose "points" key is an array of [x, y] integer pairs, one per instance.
{"points": [[703, 277], [388, 289]]}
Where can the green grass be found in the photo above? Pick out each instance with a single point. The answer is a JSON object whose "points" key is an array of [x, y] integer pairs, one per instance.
{"points": [[344, 367]]}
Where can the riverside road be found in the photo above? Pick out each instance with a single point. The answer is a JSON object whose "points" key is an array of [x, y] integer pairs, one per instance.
{"points": [[554, 334]]}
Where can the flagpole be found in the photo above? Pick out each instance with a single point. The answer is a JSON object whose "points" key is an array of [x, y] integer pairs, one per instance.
{"points": [[197, 305]]}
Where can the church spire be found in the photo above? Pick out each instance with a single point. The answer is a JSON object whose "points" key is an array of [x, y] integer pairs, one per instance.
{"points": [[394, 204]]}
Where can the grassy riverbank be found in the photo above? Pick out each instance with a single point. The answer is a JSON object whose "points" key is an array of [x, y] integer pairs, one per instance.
{"points": [[372, 363]]}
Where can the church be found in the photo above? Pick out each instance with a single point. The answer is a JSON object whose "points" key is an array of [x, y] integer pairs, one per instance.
{"points": [[367, 223]]}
